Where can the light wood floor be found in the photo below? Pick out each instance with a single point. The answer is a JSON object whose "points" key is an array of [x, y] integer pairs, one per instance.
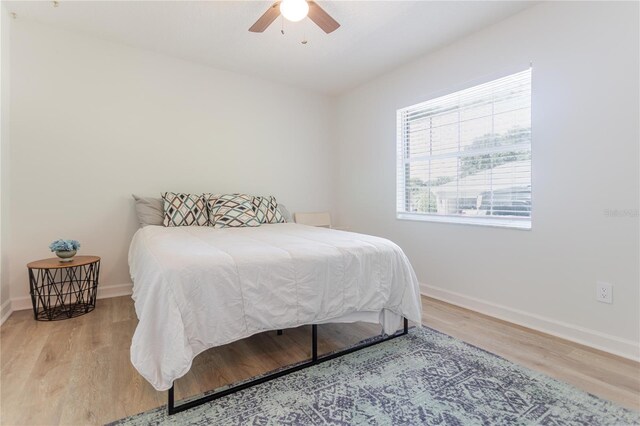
{"points": [[78, 371]]}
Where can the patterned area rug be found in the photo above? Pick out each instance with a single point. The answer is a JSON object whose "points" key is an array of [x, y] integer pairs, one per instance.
{"points": [[424, 378]]}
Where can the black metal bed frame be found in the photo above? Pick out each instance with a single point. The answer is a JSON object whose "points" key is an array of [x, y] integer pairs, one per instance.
{"points": [[315, 359]]}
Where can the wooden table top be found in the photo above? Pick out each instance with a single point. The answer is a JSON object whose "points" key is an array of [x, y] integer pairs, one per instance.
{"points": [[54, 262]]}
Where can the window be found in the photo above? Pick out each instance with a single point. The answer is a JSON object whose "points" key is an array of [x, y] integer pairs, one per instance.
{"points": [[466, 157]]}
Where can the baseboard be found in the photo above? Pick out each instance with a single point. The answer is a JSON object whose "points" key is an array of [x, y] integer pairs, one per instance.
{"points": [[114, 290], [5, 311], [104, 292], [592, 338]]}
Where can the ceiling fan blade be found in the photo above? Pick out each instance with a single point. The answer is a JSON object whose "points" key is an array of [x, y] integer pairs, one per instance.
{"points": [[322, 18], [266, 19]]}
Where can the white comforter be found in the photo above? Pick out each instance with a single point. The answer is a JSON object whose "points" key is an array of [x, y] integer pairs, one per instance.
{"points": [[200, 287]]}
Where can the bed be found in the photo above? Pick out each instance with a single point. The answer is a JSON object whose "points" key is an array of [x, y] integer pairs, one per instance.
{"points": [[196, 287]]}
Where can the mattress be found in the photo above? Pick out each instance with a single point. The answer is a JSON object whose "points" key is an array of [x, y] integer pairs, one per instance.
{"points": [[198, 287]]}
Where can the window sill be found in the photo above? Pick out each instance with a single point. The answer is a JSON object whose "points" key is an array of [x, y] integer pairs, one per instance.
{"points": [[524, 224]]}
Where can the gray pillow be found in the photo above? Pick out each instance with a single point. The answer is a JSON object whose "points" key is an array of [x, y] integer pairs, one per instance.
{"points": [[285, 213], [150, 210]]}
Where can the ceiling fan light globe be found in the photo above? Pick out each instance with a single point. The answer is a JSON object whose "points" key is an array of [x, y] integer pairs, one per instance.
{"points": [[294, 10]]}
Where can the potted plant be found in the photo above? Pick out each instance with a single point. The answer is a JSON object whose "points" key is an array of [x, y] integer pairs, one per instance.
{"points": [[65, 249]]}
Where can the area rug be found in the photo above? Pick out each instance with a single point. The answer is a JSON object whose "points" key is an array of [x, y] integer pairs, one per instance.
{"points": [[423, 378]]}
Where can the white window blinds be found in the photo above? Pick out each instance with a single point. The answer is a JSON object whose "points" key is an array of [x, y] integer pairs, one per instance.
{"points": [[466, 157]]}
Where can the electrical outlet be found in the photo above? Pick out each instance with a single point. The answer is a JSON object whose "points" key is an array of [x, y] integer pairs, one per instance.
{"points": [[604, 292]]}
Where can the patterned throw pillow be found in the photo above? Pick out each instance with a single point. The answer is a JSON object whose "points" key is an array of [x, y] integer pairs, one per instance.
{"points": [[184, 210], [267, 210], [231, 210]]}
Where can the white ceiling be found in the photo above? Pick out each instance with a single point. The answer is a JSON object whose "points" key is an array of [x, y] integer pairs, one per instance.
{"points": [[374, 37]]}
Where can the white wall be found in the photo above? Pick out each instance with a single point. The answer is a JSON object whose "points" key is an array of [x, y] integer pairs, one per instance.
{"points": [[585, 125], [5, 22], [93, 122]]}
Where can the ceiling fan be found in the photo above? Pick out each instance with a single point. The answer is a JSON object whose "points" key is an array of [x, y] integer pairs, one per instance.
{"points": [[296, 10]]}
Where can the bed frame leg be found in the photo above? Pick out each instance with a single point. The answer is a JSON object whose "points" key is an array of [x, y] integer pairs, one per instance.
{"points": [[406, 326], [170, 402], [314, 342], [279, 332]]}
